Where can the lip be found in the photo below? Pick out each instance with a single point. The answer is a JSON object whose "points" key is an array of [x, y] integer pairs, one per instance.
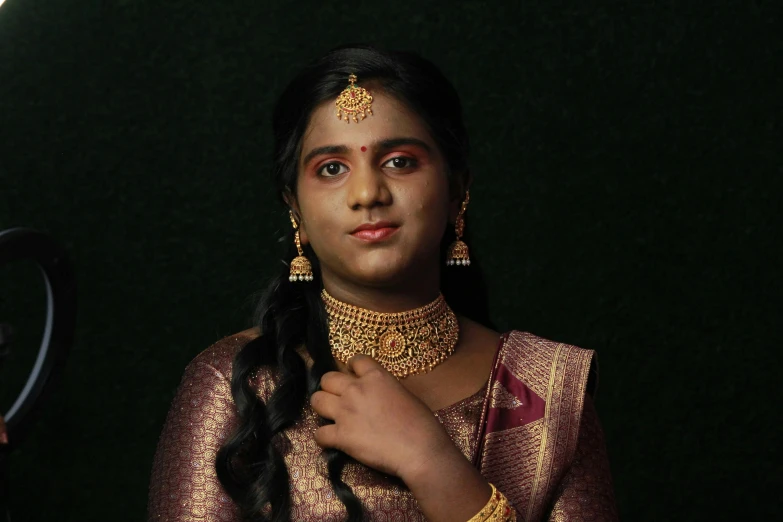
{"points": [[377, 231]]}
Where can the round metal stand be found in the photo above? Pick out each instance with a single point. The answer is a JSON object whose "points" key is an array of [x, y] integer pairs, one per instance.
{"points": [[26, 244]]}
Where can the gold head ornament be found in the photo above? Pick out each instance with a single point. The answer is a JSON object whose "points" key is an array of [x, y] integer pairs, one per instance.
{"points": [[354, 102]]}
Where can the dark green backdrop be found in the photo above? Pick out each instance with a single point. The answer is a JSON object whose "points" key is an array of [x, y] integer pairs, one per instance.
{"points": [[628, 178]]}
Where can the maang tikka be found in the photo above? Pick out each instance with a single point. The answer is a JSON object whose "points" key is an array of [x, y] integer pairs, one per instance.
{"points": [[353, 101], [301, 269], [457, 254]]}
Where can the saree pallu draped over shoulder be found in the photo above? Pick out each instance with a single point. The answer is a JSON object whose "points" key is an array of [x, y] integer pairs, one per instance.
{"points": [[539, 439]]}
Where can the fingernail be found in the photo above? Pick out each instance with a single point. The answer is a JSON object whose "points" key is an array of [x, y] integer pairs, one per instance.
{"points": [[3, 438]]}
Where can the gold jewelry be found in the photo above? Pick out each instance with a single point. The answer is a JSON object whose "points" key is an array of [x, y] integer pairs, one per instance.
{"points": [[458, 254], [405, 343], [353, 101], [498, 509], [301, 269]]}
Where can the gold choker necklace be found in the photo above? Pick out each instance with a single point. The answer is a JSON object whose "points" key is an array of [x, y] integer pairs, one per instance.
{"points": [[405, 343]]}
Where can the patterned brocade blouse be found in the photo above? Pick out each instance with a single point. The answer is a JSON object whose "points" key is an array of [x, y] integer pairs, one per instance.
{"points": [[184, 485]]}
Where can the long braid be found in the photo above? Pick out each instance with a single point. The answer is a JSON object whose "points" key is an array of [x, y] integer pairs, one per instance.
{"points": [[323, 361], [260, 485]]}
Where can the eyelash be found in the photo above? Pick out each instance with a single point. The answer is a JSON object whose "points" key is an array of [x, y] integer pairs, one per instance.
{"points": [[412, 163]]}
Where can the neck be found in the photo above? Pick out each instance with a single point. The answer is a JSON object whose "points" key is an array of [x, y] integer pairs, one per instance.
{"points": [[410, 338], [391, 299]]}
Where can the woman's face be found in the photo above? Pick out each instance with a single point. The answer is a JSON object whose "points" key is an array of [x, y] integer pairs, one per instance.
{"points": [[384, 173]]}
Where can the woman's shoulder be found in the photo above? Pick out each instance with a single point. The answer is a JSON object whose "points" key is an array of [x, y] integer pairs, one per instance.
{"points": [[533, 344], [539, 360], [218, 359], [220, 354]]}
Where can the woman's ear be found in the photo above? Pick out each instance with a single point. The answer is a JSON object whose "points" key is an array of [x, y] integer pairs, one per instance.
{"points": [[290, 199], [303, 233], [293, 206], [454, 206], [460, 185]]}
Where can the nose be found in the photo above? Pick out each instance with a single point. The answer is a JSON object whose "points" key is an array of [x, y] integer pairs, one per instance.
{"points": [[367, 188]]}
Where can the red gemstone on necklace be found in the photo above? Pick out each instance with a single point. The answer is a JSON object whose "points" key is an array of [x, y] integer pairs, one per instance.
{"points": [[393, 343], [353, 94]]}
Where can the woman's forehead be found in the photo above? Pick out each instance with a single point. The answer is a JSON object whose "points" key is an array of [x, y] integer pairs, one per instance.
{"points": [[390, 119]]}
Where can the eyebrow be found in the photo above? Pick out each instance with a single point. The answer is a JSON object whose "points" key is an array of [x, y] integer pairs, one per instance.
{"points": [[382, 146]]}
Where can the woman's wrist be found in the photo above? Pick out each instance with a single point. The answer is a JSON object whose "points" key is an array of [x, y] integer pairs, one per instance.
{"points": [[430, 449], [497, 509], [446, 485]]}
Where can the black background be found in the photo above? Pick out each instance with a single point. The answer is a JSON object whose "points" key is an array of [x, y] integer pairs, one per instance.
{"points": [[627, 167]]}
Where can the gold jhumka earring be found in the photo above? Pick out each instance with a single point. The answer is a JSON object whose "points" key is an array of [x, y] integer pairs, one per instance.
{"points": [[301, 269], [457, 254], [353, 101]]}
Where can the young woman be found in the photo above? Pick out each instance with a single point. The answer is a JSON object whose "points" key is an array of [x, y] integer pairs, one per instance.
{"points": [[374, 387]]}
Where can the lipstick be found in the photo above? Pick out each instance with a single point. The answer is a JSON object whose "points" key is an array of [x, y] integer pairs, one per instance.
{"points": [[372, 232]]}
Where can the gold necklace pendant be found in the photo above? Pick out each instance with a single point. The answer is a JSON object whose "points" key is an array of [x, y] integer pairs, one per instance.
{"points": [[405, 343]]}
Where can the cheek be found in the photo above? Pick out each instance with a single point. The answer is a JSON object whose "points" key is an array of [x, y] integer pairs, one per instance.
{"points": [[318, 218], [430, 205], [429, 217], [320, 235], [317, 204]]}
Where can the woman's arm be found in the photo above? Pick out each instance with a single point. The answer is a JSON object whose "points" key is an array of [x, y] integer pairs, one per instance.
{"points": [[586, 492], [184, 485], [447, 487]]}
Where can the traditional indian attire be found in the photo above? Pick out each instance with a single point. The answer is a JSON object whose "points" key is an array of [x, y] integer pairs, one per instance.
{"points": [[532, 431]]}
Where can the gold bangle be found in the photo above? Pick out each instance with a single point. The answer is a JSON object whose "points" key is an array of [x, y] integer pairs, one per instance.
{"points": [[497, 509]]}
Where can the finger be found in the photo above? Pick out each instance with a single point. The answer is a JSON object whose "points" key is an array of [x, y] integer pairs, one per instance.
{"points": [[327, 436], [325, 404], [335, 382], [360, 364]]}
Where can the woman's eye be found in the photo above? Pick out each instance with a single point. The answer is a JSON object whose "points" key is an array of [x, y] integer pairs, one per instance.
{"points": [[332, 169], [400, 162]]}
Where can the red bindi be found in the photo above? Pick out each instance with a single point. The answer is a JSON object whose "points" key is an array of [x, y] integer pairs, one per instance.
{"points": [[364, 148]]}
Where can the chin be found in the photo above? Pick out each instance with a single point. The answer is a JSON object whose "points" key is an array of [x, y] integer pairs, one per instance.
{"points": [[386, 272], [379, 277]]}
